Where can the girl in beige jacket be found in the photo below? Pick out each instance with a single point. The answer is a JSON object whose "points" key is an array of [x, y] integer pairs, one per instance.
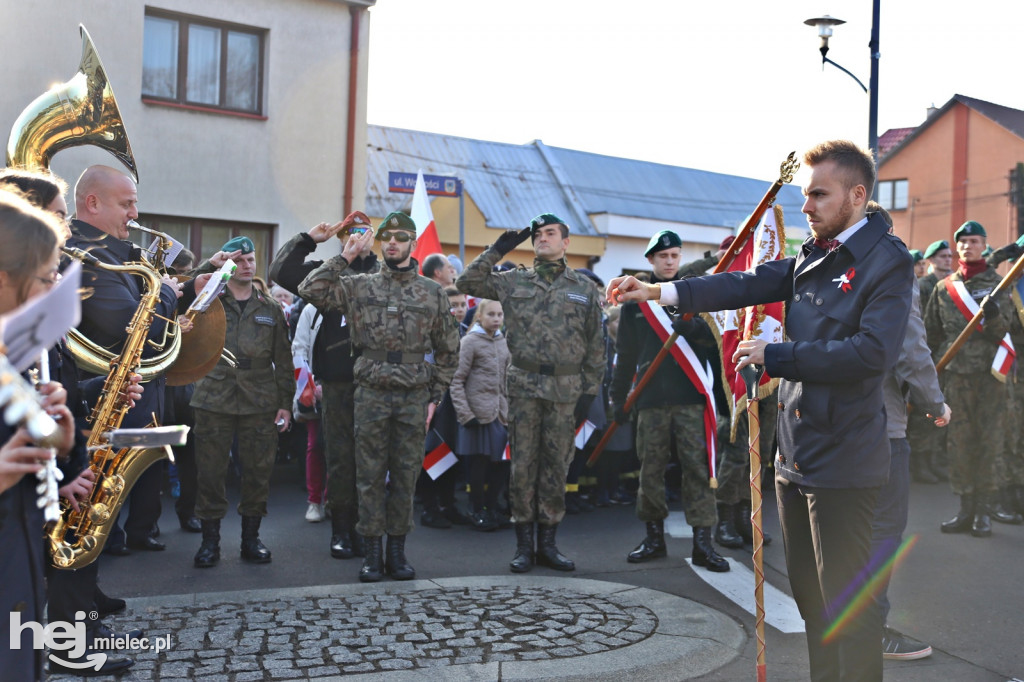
{"points": [[478, 394]]}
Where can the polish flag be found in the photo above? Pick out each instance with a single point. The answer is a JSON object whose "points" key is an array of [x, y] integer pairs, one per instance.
{"points": [[427, 241], [439, 460]]}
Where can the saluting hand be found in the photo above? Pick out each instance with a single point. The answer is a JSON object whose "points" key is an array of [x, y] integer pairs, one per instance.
{"points": [[356, 244], [221, 257], [324, 231]]}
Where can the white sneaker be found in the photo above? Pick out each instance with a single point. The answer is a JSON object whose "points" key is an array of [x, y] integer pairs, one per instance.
{"points": [[315, 512]]}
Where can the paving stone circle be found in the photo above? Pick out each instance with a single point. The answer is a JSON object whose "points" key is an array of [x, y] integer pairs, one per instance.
{"points": [[304, 637]]}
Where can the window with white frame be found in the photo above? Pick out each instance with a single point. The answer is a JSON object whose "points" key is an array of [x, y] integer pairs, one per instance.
{"points": [[893, 194], [202, 62]]}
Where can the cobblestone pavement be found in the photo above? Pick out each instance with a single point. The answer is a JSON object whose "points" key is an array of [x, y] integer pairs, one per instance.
{"points": [[469, 628]]}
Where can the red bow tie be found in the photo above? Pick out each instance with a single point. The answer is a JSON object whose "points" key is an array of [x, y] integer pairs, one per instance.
{"points": [[827, 245]]}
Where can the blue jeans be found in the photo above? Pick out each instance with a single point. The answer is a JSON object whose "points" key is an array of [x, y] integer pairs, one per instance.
{"points": [[891, 515]]}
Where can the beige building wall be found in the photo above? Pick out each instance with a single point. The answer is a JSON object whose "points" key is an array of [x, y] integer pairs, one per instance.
{"points": [[286, 171]]}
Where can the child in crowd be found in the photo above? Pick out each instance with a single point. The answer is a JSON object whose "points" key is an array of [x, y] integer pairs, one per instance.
{"points": [[459, 306], [478, 394], [306, 329]]}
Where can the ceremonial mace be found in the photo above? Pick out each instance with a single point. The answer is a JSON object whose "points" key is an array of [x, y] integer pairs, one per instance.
{"points": [[752, 378], [786, 171], [1004, 284]]}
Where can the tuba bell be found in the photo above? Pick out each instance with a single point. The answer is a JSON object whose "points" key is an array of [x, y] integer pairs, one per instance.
{"points": [[81, 111]]}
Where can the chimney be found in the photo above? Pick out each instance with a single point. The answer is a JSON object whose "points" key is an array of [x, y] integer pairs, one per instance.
{"points": [[930, 111]]}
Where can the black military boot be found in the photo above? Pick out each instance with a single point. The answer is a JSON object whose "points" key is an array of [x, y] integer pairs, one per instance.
{"points": [[652, 547], [744, 526], [523, 560], [981, 524], [704, 553], [373, 565], [341, 540], [961, 523], [253, 550], [726, 533], [209, 551], [1001, 508], [396, 564], [547, 554]]}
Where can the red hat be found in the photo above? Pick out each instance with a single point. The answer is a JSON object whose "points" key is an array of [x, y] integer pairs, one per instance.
{"points": [[355, 219], [726, 242]]}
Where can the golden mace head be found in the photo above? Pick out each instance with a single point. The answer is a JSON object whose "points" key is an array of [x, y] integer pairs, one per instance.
{"points": [[788, 168]]}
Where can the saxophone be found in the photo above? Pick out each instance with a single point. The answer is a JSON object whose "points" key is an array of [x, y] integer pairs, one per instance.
{"points": [[77, 537]]}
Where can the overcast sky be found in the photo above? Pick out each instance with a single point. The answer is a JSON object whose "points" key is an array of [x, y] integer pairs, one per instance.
{"points": [[730, 86]]}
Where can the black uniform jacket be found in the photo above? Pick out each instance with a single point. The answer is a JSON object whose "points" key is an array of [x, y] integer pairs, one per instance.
{"points": [[846, 315]]}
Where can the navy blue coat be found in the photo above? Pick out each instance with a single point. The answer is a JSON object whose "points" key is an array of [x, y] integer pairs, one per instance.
{"points": [[842, 339]]}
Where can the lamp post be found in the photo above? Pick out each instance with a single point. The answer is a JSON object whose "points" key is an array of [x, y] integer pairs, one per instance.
{"points": [[824, 25]]}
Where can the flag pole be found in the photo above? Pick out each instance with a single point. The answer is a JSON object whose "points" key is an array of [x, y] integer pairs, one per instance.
{"points": [[788, 168], [752, 378]]}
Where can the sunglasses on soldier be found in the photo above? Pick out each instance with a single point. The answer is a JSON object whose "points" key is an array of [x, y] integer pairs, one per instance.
{"points": [[397, 235]]}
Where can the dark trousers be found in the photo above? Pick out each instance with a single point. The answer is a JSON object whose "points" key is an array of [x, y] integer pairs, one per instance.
{"points": [[68, 592], [827, 536], [891, 516]]}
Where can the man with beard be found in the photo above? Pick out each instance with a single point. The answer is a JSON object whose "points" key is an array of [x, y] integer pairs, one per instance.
{"points": [[397, 318], [848, 295]]}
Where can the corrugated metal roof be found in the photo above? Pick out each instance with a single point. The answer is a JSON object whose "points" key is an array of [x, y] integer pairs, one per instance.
{"points": [[509, 183], [512, 183], [642, 189]]}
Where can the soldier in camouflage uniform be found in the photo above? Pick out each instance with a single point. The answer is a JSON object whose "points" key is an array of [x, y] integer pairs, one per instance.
{"points": [[252, 400], [976, 442], [556, 340], [397, 318], [334, 358], [670, 410], [928, 444]]}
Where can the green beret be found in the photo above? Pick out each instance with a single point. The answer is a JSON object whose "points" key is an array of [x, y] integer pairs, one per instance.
{"points": [[396, 220], [935, 247], [545, 219], [243, 244], [916, 255], [666, 239], [971, 228]]}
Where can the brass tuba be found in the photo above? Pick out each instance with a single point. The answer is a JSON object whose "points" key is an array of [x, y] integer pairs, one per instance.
{"points": [[81, 111], [77, 538]]}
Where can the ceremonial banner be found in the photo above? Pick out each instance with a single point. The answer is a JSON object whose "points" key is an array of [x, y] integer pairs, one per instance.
{"points": [[427, 241], [765, 321], [700, 376], [968, 307]]}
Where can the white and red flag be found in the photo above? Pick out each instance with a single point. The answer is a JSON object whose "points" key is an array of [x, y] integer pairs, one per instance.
{"points": [[765, 321], [968, 307], [427, 241]]}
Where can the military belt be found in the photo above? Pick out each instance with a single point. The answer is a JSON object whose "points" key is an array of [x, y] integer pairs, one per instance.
{"points": [[396, 357], [252, 363], [550, 370]]}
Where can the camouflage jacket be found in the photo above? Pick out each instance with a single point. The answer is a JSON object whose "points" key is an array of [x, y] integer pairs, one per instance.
{"points": [[926, 285], [944, 322], [556, 324], [395, 311], [258, 337], [697, 268]]}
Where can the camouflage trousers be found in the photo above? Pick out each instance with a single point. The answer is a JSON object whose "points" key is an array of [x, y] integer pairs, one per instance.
{"points": [[1010, 469], [734, 463], [257, 447], [658, 430], [340, 449], [976, 435], [389, 428], [541, 436]]}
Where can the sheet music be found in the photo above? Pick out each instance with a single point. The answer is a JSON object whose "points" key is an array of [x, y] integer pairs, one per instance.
{"points": [[35, 326]]}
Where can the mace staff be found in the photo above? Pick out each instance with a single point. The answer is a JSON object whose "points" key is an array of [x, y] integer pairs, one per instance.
{"points": [[1010, 278], [752, 378], [786, 171]]}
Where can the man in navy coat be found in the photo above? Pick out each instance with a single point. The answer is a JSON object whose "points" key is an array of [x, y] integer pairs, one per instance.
{"points": [[848, 296]]}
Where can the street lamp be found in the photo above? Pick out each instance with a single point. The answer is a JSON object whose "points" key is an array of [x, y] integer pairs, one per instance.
{"points": [[824, 25]]}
